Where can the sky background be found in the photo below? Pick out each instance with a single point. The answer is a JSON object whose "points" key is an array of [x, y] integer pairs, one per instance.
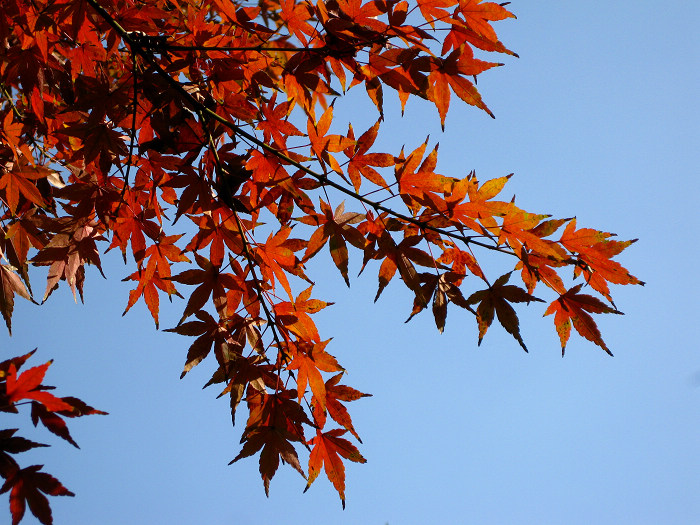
{"points": [[598, 118]]}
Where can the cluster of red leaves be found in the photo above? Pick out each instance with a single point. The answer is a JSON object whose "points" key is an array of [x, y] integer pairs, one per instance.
{"points": [[122, 117], [28, 485]]}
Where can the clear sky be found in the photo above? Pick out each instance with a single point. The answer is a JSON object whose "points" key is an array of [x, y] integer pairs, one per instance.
{"points": [[598, 119]]}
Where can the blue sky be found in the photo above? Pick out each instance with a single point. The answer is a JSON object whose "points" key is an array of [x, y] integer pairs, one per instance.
{"points": [[598, 119]]}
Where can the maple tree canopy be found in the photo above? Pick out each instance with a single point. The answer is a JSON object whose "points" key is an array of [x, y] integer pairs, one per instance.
{"points": [[122, 117]]}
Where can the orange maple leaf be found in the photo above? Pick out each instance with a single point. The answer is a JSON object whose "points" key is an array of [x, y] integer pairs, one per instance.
{"points": [[573, 307], [295, 315], [336, 393], [361, 162], [328, 448], [310, 360]]}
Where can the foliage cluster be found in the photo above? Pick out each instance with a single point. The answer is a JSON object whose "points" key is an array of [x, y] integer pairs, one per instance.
{"points": [[122, 117]]}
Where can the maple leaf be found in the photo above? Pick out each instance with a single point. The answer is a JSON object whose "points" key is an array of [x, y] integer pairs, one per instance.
{"points": [[361, 162], [479, 206], [24, 233], [212, 282], [11, 131], [274, 123], [536, 269], [496, 299], [421, 181], [18, 181], [219, 228], [156, 274], [519, 229], [210, 332], [461, 260], [328, 448], [478, 14], [28, 486], [446, 289], [27, 386], [595, 251], [98, 142], [130, 226], [11, 444], [573, 307], [335, 228], [274, 421], [435, 9], [52, 421], [277, 256], [18, 362], [10, 284], [336, 393], [241, 372], [295, 315], [274, 445], [449, 73], [309, 361], [323, 144], [399, 257], [67, 252]]}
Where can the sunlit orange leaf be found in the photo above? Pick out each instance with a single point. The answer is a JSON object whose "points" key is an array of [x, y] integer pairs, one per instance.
{"points": [[595, 251], [295, 315], [361, 162], [328, 448], [336, 393], [479, 14], [310, 361], [573, 307], [460, 260], [277, 256]]}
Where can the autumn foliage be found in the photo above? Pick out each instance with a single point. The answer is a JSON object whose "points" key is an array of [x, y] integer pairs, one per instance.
{"points": [[26, 485], [127, 122]]}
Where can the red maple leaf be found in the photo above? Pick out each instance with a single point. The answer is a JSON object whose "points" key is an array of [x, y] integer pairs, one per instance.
{"points": [[27, 386], [28, 486], [18, 180]]}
